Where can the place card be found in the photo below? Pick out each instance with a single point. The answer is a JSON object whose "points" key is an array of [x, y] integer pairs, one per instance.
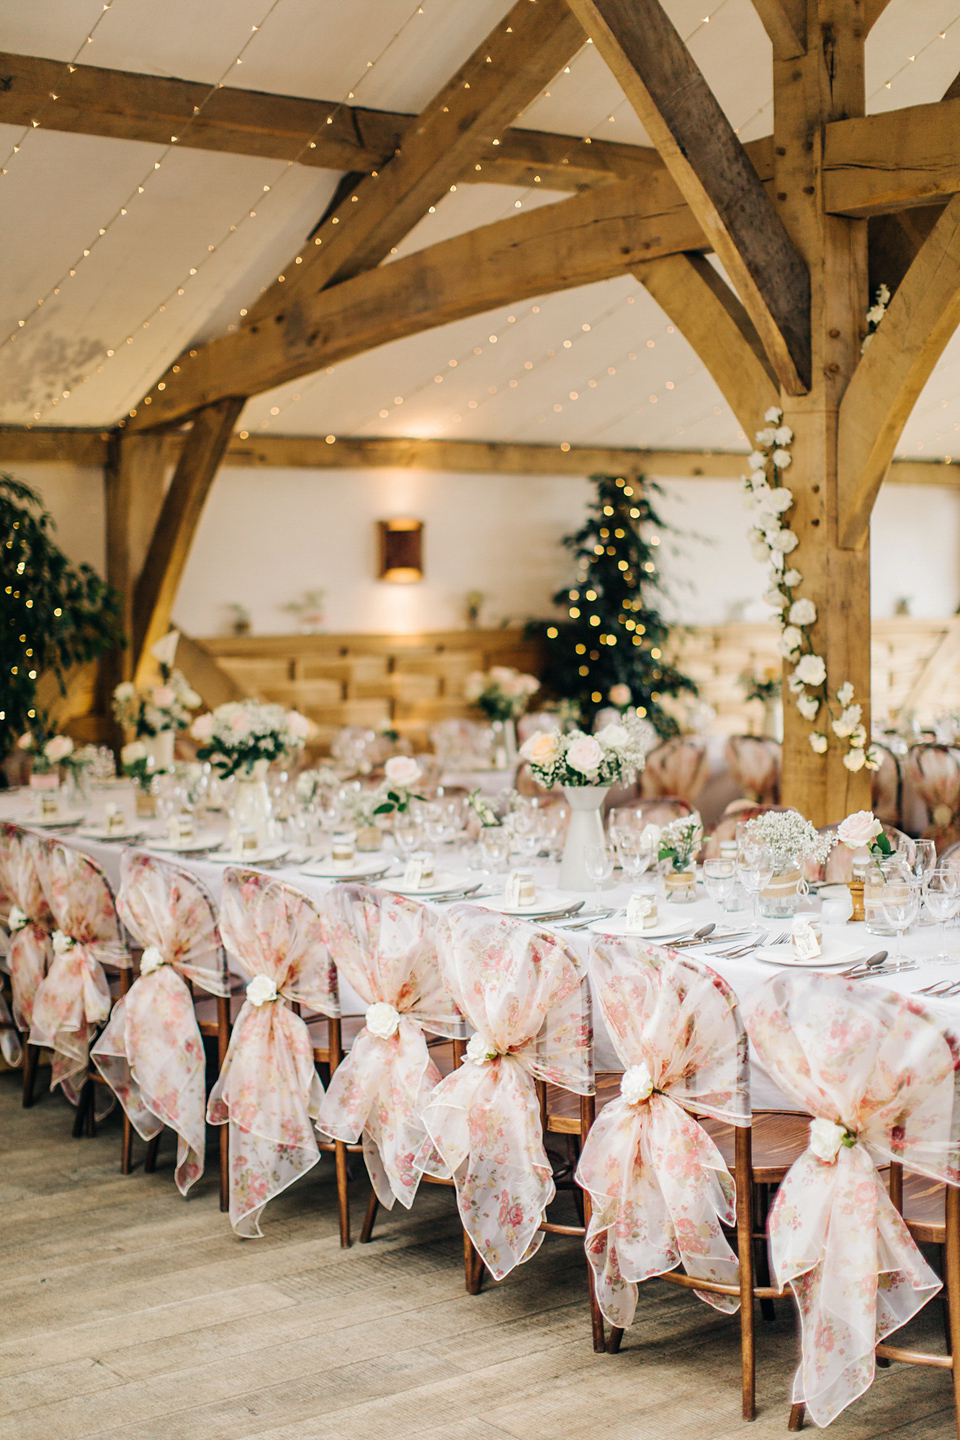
{"points": [[113, 817], [418, 871], [519, 890], [806, 942], [641, 913]]}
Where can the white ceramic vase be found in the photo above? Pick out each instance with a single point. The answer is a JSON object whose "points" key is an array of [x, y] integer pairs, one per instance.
{"points": [[159, 749], [251, 808], [586, 828]]}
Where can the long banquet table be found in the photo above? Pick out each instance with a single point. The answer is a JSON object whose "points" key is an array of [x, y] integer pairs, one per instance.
{"points": [[743, 974]]}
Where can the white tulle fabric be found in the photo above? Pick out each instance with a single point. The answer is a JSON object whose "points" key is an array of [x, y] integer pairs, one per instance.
{"points": [[73, 999], [523, 992], [386, 947], [658, 1185], [883, 1068], [28, 952], [151, 1052], [268, 1090]]}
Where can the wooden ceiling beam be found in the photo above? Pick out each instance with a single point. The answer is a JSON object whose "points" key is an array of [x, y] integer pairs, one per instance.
{"points": [[874, 164], [706, 159], [503, 75], [920, 320], [785, 21], [589, 237]]}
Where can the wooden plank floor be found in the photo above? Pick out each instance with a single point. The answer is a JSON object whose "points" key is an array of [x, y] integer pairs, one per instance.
{"points": [[129, 1313]]}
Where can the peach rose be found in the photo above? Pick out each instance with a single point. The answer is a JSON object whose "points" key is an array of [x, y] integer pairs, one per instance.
{"points": [[542, 748]]}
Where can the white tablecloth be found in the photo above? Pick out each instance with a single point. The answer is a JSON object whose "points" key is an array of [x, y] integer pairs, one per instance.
{"points": [[744, 975]]}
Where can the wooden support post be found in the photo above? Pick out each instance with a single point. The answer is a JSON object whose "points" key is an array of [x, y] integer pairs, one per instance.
{"points": [[824, 85], [134, 476], [156, 589]]}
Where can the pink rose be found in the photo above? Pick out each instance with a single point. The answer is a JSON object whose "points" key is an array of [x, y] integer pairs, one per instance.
{"points": [[240, 725], [202, 728], [584, 754], [58, 748], [542, 748], [402, 770], [859, 829], [163, 696]]}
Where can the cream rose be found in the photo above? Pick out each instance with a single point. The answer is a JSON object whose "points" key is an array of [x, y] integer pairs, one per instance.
{"points": [[163, 696], [826, 1137], [261, 990], [402, 770], [203, 727], [17, 919], [382, 1020], [151, 960], [818, 743], [133, 752], [58, 748], [854, 760], [584, 754], [613, 737], [636, 1084], [859, 829], [811, 670], [480, 1050], [62, 942], [542, 748], [298, 725], [803, 612]]}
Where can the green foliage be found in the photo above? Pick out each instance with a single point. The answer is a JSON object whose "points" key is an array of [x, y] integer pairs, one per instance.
{"points": [[53, 614], [614, 635]]}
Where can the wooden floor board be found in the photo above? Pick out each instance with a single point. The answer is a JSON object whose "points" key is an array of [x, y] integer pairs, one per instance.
{"points": [[127, 1313]]}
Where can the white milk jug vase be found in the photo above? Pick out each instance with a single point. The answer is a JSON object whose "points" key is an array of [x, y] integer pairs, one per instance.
{"points": [[586, 828]]}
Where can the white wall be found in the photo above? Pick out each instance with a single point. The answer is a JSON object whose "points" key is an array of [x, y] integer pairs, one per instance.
{"points": [[268, 535]]}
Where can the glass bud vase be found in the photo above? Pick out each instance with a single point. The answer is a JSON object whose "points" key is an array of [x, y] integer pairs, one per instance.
{"points": [[251, 809], [782, 896], [681, 886]]}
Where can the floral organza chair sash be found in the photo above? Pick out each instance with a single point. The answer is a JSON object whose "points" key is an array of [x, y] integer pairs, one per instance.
{"points": [[877, 1072], [27, 918], [268, 1090], [754, 765], [73, 999], [934, 772], [524, 994], [386, 947], [677, 767], [151, 1052], [658, 1185]]}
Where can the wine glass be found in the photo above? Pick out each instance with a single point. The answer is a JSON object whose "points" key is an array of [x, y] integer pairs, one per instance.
{"points": [[406, 833], [635, 856], [755, 868], [494, 847], [598, 863], [924, 861], [719, 878], [943, 901], [900, 901]]}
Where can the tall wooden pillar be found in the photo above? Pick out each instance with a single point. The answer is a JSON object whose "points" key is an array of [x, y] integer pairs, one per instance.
{"points": [[810, 89]]}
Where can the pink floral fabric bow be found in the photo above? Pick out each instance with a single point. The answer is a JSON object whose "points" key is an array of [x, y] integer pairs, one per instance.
{"points": [[386, 947], [522, 991], [878, 1073], [27, 917], [151, 1052], [268, 1090], [73, 999], [658, 1185]]}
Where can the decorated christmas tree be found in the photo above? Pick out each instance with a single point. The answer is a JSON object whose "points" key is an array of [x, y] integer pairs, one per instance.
{"points": [[610, 651]]}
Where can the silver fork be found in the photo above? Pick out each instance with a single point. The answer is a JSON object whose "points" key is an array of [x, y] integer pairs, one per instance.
{"points": [[739, 950], [940, 988]]}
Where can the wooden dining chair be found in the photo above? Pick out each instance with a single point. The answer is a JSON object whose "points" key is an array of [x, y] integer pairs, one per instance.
{"points": [[29, 924]]}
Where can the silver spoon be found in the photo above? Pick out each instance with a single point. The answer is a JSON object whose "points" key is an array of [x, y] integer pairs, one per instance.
{"points": [[863, 967]]}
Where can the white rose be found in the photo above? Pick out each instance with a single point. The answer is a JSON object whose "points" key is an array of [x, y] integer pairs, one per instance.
{"points": [[756, 460], [854, 760], [613, 737], [783, 435], [766, 437], [298, 725], [480, 1050], [811, 670], [845, 694], [151, 960], [126, 690], [402, 770], [818, 743], [808, 706], [261, 990], [190, 698], [849, 721], [17, 919], [636, 1084], [133, 752], [382, 1020], [826, 1137], [803, 612], [166, 648], [776, 560], [792, 578], [783, 541], [777, 499], [794, 685], [58, 748], [776, 598], [584, 754], [774, 415], [872, 758], [203, 727], [62, 942], [859, 829], [790, 642], [782, 458], [163, 696], [650, 836]]}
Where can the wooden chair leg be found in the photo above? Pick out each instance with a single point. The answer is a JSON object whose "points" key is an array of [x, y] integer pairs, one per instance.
{"points": [[473, 1266], [224, 1169], [84, 1099], [613, 1341], [91, 1112], [31, 1057], [373, 1206], [797, 1413], [762, 1258], [150, 1159], [952, 1277], [596, 1314], [748, 1360], [126, 1146], [343, 1196]]}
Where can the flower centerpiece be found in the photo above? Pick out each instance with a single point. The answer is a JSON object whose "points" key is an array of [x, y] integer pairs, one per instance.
{"points": [[159, 709], [864, 834], [585, 766], [401, 773], [791, 840], [502, 694], [678, 844], [240, 739], [47, 755]]}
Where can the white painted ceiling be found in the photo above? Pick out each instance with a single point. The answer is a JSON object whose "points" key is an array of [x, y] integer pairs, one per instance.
{"points": [[207, 232]]}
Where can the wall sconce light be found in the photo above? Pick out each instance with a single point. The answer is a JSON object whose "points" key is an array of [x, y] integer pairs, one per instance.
{"points": [[401, 551]]}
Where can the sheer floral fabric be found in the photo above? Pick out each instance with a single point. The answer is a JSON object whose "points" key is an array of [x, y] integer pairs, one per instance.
{"points": [[386, 947], [659, 1187], [73, 999], [877, 1071], [934, 772], [268, 1090], [151, 1052], [522, 991], [678, 767], [27, 917], [754, 765]]}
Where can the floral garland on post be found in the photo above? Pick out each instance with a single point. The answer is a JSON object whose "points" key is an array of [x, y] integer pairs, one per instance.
{"points": [[769, 499]]}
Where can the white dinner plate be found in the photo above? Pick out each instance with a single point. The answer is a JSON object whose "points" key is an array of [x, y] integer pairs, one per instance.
{"points": [[259, 857], [546, 903], [834, 952], [100, 832], [618, 926], [356, 869], [442, 884], [203, 840], [63, 821]]}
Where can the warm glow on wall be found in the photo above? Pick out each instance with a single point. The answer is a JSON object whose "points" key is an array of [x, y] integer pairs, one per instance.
{"points": [[401, 551]]}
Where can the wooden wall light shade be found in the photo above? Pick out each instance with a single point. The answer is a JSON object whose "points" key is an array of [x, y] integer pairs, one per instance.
{"points": [[401, 551]]}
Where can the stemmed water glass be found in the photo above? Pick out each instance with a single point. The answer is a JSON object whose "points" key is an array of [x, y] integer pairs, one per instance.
{"points": [[406, 833], [493, 845], [719, 878], [900, 897], [635, 855], [755, 868], [943, 901], [598, 863]]}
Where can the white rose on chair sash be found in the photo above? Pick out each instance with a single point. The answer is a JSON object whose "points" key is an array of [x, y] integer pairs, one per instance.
{"points": [[386, 947], [268, 1090], [73, 999], [151, 1052], [28, 919], [522, 991], [879, 1068], [659, 1187]]}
